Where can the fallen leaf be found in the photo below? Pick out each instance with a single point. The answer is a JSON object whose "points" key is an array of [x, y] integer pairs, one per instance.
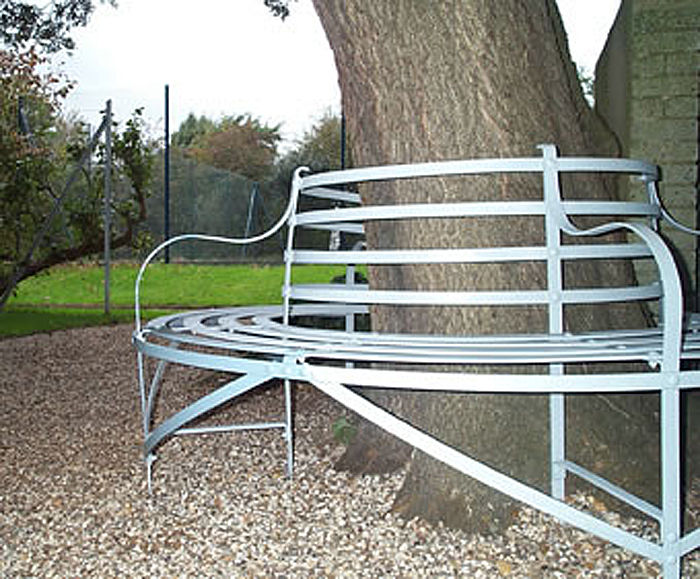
{"points": [[504, 568]]}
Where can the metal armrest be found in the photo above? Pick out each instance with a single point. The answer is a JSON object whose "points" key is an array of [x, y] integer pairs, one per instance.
{"points": [[672, 304], [288, 212]]}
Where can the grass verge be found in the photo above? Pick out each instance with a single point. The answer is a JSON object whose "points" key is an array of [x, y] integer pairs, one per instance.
{"points": [[189, 285], [21, 321], [71, 296]]}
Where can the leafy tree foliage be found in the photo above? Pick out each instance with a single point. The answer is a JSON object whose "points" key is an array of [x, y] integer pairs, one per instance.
{"points": [[192, 129], [240, 144], [43, 221], [25, 24], [319, 149], [28, 157], [278, 7]]}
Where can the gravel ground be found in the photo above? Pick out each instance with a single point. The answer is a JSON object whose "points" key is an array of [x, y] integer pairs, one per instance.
{"points": [[74, 500]]}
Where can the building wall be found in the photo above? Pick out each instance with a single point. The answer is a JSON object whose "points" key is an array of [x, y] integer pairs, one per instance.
{"points": [[647, 90]]}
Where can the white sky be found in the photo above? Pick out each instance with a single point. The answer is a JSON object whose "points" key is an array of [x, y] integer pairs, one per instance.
{"points": [[232, 57]]}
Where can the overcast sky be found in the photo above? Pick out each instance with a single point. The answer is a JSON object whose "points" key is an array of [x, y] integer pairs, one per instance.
{"points": [[231, 57]]}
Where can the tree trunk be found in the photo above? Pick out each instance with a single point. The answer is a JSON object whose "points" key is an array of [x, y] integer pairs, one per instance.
{"points": [[427, 81]]}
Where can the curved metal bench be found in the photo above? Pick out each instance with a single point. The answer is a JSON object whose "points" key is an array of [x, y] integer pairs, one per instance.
{"points": [[259, 344]]}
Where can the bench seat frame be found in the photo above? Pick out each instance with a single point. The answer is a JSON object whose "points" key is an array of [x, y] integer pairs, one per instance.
{"points": [[262, 343]]}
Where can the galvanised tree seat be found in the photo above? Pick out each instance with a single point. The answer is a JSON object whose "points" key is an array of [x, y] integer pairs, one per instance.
{"points": [[293, 341]]}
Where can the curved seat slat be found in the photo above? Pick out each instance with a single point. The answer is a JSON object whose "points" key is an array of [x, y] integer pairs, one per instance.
{"points": [[266, 334]]}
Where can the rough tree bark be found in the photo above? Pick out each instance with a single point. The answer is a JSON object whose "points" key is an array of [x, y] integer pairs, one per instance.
{"points": [[424, 81]]}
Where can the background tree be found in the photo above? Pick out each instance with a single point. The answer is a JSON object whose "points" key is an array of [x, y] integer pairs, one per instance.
{"points": [[25, 24], [318, 149], [425, 81], [240, 144], [37, 151], [23, 164], [191, 130]]}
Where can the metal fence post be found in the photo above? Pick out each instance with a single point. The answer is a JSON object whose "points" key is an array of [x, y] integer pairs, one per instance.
{"points": [[166, 175], [108, 200]]}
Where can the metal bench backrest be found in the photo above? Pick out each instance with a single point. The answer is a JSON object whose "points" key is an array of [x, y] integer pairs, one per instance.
{"points": [[345, 214]]}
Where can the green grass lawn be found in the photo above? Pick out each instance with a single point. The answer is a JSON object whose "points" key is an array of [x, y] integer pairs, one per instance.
{"points": [[73, 295], [21, 321]]}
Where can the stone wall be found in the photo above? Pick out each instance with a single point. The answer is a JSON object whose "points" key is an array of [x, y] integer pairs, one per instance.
{"points": [[647, 90]]}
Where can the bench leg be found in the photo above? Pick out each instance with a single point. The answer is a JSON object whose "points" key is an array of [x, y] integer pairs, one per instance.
{"points": [[289, 427], [150, 459], [557, 427], [670, 482]]}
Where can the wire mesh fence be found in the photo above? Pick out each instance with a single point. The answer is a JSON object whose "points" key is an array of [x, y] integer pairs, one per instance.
{"points": [[205, 199]]}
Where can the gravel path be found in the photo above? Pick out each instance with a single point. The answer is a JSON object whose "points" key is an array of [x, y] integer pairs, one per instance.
{"points": [[74, 501]]}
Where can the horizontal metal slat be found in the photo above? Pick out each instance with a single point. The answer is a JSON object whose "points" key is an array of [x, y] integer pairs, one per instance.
{"points": [[332, 194], [611, 208], [603, 165], [360, 294], [470, 209], [615, 294], [467, 255], [355, 228], [408, 256], [421, 210], [437, 169], [480, 166], [605, 251]]}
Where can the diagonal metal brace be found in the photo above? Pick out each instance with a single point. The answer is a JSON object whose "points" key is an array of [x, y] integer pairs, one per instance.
{"points": [[223, 394]]}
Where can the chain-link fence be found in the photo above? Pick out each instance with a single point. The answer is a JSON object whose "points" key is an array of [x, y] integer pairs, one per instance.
{"points": [[204, 199]]}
